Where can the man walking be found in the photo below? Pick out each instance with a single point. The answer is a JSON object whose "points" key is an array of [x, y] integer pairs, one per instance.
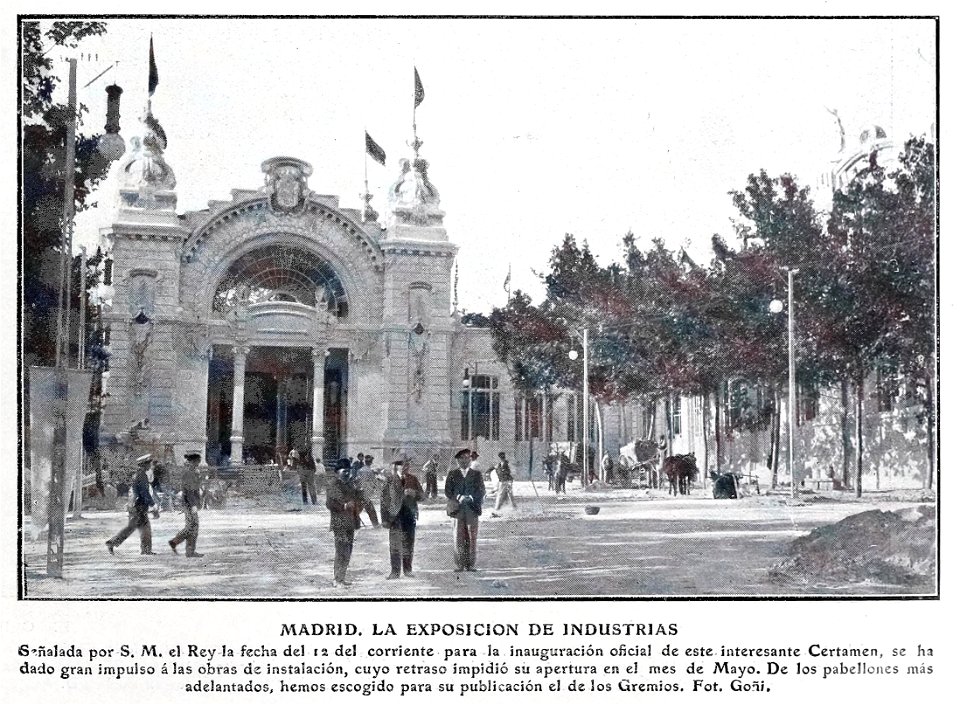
{"points": [[190, 483], [430, 475], [464, 493], [139, 519], [399, 511], [506, 482], [344, 502], [306, 471]]}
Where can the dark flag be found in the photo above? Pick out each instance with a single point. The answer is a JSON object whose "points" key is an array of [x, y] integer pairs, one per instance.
{"points": [[417, 88], [375, 150], [154, 78]]}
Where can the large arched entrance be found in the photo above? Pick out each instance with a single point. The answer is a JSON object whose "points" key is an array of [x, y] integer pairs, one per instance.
{"points": [[274, 384]]}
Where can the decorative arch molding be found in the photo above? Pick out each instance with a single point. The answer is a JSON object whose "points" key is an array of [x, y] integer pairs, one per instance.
{"points": [[242, 230], [259, 209]]}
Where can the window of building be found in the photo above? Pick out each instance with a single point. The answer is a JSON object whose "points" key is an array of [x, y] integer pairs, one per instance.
{"points": [[808, 403], [676, 426], [480, 408], [532, 420]]}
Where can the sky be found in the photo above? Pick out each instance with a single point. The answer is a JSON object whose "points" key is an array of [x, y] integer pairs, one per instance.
{"points": [[533, 128]]}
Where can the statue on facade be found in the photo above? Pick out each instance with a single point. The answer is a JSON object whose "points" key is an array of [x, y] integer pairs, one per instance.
{"points": [[141, 334]]}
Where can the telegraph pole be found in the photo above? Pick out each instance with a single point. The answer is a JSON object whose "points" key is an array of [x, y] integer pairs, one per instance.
{"points": [[58, 469]]}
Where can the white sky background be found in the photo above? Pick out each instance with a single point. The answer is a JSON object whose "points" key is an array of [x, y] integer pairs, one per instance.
{"points": [[532, 128]]}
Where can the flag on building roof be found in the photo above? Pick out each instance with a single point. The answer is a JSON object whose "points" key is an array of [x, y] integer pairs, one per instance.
{"points": [[417, 88], [154, 77], [375, 150]]}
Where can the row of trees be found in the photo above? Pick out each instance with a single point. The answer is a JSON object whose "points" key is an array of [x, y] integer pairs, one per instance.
{"points": [[662, 323]]}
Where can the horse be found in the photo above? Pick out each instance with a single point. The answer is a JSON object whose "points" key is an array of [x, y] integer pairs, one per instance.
{"points": [[680, 470]]}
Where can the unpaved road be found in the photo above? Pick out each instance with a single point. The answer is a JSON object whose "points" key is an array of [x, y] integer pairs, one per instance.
{"points": [[638, 546]]}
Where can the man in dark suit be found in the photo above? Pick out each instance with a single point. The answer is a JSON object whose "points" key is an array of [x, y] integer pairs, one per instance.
{"points": [[464, 486], [141, 501], [399, 510], [344, 501], [190, 483]]}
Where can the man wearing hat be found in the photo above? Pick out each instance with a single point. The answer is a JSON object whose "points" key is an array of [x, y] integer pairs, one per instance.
{"points": [[366, 480], [190, 483], [399, 511], [140, 502], [344, 502], [464, 493]]}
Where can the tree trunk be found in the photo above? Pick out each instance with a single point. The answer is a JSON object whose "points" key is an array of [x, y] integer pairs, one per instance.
{"points": [[600, 435], [705, 426], [845, 431], [928, 404], [716, 430], [773, 459], [859, 383]]}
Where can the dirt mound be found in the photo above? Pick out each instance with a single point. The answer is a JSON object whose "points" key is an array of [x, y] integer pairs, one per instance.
{"points": [[893, 548]]}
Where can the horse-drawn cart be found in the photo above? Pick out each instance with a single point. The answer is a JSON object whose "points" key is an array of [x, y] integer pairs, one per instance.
{"points": [[640, 463]]}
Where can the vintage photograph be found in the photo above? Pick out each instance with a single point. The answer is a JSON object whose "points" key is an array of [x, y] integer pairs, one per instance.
{"points": [[427, 308]]}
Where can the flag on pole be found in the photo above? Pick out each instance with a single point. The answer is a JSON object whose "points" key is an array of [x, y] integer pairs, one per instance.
{"points": [[154, 77], [417, 88], [375, 150], [506, 282]]}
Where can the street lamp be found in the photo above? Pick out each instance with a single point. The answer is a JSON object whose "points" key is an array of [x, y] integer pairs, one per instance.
{"points": [[573, 355], [776, 306]]}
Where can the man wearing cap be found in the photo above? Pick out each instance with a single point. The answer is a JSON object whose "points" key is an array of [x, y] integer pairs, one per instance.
{"points": [[399, 511], [140, 503], [190, 482], [344, 502], [464, 491]]}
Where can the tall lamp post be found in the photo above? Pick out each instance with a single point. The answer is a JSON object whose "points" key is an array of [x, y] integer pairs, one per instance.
{"points": [[111, 146], [776, 306], [573, 355]]}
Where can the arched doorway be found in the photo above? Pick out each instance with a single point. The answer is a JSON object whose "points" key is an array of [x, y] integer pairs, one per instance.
{"points": [[293, 386]]}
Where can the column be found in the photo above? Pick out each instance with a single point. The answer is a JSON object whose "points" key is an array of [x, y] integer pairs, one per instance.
{"points": [[319, 367], [282, 440], [236, 430]]}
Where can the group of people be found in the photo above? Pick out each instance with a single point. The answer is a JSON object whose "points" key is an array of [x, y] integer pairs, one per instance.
{"points": [[143, 499], [349, 495]]}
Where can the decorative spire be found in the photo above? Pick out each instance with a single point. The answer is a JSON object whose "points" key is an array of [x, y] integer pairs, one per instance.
{"points": [[146, 180]]}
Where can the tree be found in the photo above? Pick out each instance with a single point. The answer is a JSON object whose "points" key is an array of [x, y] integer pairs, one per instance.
{"points": [[43, 154], [780, 229]]}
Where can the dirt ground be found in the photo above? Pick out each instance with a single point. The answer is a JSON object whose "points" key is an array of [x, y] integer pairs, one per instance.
{"points": [[642, 543]]}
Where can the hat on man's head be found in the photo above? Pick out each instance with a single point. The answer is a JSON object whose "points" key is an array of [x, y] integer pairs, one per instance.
{"points": [[502, 454], [143, 459], [474, 455], [191, 455], [462, 453]]}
